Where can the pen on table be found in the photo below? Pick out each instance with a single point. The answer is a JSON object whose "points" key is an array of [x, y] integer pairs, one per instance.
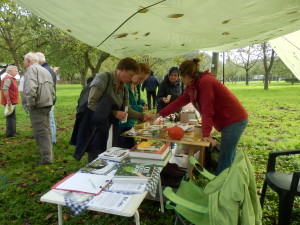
{"points": [[92, 183]]}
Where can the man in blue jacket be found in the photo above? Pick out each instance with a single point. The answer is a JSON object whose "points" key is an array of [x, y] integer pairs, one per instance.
{"points": [[151, 84]]}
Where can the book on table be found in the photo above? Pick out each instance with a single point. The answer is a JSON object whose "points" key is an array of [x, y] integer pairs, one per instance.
{"points": [[99, 166], [115, 154], [150, 145], [152, 154], [133, 172], [127, 188], [156, 162]]}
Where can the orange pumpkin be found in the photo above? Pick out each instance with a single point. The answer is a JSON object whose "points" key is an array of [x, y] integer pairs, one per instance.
{"points": [[176, 132]]}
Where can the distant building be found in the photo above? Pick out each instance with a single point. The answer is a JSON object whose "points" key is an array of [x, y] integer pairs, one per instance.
{"points": [[259, 77]]}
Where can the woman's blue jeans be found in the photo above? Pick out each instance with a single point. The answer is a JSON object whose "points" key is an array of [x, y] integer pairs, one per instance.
{"points": [[230, 136]]}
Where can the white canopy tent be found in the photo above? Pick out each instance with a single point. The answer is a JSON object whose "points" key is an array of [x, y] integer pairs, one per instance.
{"points": [[169, 28], [288, 49]]}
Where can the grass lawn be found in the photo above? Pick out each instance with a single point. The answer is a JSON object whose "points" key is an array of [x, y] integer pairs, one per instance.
{"points": [[274, 124]]}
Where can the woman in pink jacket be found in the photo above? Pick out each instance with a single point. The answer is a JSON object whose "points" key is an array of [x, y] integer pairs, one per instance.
{"points": [[218, 107]]}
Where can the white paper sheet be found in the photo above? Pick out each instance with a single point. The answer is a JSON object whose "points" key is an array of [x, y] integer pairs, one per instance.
{"points": [[109, 200], [84, 182]]}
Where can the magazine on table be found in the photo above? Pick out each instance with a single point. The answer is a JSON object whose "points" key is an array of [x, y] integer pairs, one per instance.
{"points": [[99, 166], [110, 200], [130, 188], [134, 172]]}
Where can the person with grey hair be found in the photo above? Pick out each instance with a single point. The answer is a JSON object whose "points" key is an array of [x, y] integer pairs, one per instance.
{"points": [[43, 63], [37, 99], [9, 96]]}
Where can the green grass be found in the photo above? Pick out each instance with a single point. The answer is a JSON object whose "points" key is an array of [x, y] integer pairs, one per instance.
{"points": [[274, 124]]}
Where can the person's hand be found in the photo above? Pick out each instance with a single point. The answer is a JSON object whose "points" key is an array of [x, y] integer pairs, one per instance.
{"points": [[148, 117], [120, 115], [154, 118], [166, 100], [210, 140], [26, 108], [145, 107]]}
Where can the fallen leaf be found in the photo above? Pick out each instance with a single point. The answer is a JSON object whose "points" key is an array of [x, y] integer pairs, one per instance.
{"points": [[48, 216], [175, 15], [225, 21]]}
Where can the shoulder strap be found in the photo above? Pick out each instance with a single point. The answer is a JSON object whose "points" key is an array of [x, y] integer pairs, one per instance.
{"points": [[108, 80]]}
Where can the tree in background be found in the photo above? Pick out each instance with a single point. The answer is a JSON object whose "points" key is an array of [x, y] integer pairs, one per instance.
{"points": [[245, 58], [20, 32], [268, 59], [215, 63], [73, 56], [232, 72], [281, 70]]}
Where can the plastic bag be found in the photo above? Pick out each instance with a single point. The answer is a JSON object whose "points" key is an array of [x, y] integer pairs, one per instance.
{"points": [[9, 108]]}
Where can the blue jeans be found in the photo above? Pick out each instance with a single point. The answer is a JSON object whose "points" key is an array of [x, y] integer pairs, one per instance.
{"points": [[52, 125], [230, 136]]}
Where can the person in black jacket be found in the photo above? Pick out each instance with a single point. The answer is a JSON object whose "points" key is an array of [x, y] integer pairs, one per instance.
{"points": [[151, 83], [169, 89]]}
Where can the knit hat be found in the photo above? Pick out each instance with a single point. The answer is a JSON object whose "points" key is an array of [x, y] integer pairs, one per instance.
{"points": [[173, 69]]}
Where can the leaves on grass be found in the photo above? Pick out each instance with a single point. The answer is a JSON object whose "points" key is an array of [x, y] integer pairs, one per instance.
{"points": [[65, 217], [48, 216], [273, 139]]}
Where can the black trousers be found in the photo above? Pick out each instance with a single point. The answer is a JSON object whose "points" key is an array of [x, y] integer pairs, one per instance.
{"points": [[151, 94], [125, 142], [103, 119], [11, 123]]}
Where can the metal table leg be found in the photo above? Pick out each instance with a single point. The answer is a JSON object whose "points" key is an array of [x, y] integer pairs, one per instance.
{"points": [[137, 217], [160, 195], [59, 214]]}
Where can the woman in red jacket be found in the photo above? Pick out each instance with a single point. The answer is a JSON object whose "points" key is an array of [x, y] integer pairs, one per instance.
{"points": [[218, 107]]}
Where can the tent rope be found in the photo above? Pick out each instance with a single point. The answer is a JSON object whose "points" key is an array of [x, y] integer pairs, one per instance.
{"points": [[291, 43], [127, 20]]}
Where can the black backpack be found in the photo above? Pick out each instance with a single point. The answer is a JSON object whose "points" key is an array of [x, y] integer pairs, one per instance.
{"points": [[84, 95]]}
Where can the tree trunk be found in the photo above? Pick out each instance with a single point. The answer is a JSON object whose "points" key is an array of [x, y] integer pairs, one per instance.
{"points": [[83, 74], [266, 80], [214, 63], [95, 69], [247, 77], [266, 66]]}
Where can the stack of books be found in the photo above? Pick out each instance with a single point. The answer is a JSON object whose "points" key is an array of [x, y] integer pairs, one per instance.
{"points": [[150, 152], [115, 154]]}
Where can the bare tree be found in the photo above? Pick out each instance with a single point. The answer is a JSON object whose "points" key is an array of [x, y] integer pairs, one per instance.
{"points": [[268, 59], [245, 58], [215, 63]]}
